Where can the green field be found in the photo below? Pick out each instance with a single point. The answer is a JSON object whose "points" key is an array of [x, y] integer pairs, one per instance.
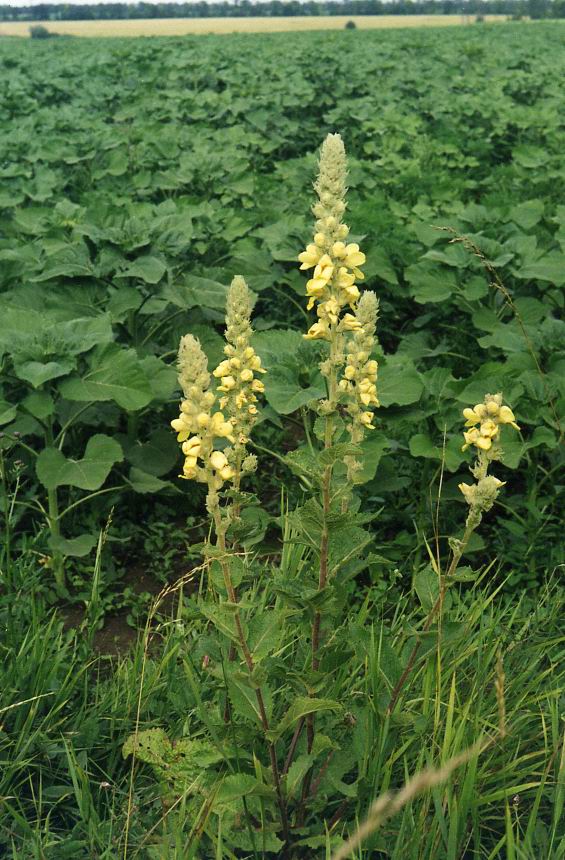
{"points": [[137, 178]]}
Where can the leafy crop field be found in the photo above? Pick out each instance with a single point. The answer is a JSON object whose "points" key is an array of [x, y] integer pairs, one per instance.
{"points": [[179, 27], [342, 621]]}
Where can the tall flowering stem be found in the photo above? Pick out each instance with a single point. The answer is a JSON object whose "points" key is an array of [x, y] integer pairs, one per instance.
{"points": [[201, 428], [333, 292], [484, 420]]}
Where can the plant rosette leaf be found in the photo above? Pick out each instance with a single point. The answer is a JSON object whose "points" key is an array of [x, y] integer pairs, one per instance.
{"points": [[55, 470]]}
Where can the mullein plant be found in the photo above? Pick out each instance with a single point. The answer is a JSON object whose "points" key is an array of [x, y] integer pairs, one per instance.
{"points": [[201, 427], [346, 321], [484, 422], [283, 652]]}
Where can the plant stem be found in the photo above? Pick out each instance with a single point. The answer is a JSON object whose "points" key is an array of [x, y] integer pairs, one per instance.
{"points": [[248, 657], [54, 519], [431, 615], [7, 520]]}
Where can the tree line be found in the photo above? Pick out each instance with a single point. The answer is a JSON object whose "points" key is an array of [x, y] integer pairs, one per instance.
{"points": [[537, 9]]}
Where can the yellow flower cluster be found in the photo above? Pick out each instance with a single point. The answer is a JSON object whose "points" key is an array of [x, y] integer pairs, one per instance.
{"points": [[198, 425], [360, 373], [238, 383], [488, 416], [335, 263], [484, 421]]}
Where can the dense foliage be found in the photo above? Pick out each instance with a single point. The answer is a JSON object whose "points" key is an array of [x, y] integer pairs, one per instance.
{"points": [[129, 201], [138, 179]]}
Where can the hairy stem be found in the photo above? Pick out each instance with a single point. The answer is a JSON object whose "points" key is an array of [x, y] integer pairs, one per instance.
{"points": [[431, 615], [54, 521], [248, 657]]}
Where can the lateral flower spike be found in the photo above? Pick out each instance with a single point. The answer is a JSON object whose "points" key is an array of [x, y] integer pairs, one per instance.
{"points": [[484, 421], [198, 425], [238, 373], [332, 286], [360, 373]]}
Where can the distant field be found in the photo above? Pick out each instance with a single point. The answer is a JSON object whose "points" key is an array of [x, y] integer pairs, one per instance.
{"points": [[181, 27]]}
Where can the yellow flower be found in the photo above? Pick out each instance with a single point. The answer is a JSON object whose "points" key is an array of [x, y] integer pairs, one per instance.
{"points": [[506, 416], [349, 322], [228, 382], [353, 256], [318, 331], [218, 460], [309, 257]]}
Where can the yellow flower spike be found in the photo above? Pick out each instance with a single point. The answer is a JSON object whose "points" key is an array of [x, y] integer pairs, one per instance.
{"points": [[493, 407], [246, 375], [320, 239]]}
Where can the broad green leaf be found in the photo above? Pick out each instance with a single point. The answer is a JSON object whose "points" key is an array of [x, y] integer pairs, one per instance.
{"points": [[301, 707], [7, 412], [429, 283], [158, 455], [285, 392], [142, 482], [426, 585], [238, 785], [115, 374], [527, 214], [55, 470], [77, 547], [398, 382], [148, 269]]}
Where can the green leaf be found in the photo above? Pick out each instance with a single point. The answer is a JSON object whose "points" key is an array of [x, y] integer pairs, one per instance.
{"points": [[286, 394], [142, 482], [151, 746], [399, 382], [77, 547], [301, 707], [372, 447], [550, 267], [158, 455], [148, 269], [430, 283], [40, 404], [7, 412], [116, 374], [55, 470], [426, 585], [238, 785], [527, 214]]}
